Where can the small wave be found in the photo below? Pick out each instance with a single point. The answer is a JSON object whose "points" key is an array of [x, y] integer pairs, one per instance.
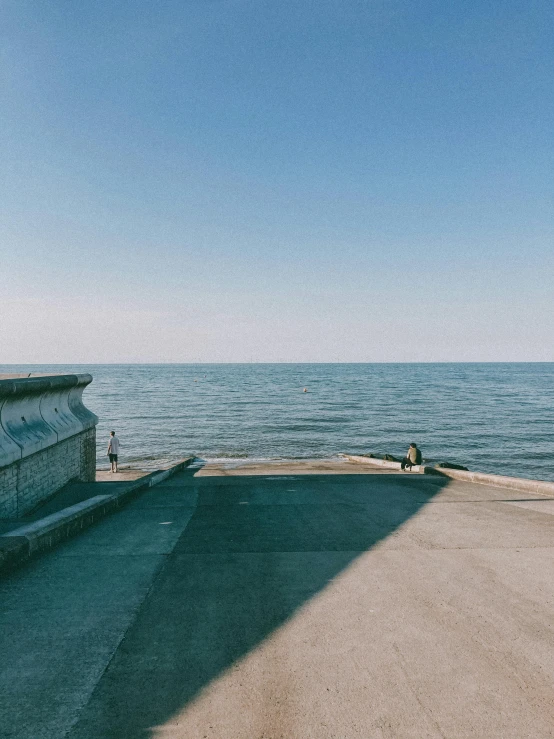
{"points": [[272, 460], [232, 455], [224, 459], [144, 458]]}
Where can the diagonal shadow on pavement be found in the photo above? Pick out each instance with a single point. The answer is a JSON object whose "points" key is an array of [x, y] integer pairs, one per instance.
{"points": [[257, 549]]}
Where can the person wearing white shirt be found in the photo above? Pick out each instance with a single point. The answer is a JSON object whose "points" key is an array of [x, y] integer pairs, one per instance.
{"points": [[113, 450]]}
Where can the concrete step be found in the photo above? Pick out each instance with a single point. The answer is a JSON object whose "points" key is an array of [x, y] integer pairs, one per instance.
{"points": [[26, 540]]}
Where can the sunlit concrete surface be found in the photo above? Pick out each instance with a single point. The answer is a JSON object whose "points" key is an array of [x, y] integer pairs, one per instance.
{"points": [[124, 474], [287, 602]]}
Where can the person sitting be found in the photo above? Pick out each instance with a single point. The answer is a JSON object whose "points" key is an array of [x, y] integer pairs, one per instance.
{"points": [[413, 457]]}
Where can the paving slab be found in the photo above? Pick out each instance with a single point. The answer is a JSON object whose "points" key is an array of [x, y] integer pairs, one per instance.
{"points": [[124, 474]]}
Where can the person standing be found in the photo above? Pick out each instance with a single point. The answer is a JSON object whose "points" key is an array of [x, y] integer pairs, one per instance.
{"points": [[113, 450], [413, 457]]}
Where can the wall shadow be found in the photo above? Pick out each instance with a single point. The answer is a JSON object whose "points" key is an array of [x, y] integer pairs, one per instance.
{"points": [[255, 551]]}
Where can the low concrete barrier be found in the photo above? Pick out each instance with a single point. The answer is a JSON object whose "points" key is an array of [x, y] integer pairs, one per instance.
{"points": [[47, 437], [382, 463], [521, 484], [17, 546]]}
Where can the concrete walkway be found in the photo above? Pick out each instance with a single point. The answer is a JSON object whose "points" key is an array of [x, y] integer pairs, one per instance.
{"points": [[289, 602]]}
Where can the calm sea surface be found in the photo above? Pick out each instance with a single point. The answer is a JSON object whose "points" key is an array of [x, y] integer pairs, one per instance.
{"points": [[490, 417]]}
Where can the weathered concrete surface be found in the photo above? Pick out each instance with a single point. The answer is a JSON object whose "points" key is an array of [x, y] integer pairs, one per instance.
{"points": [[293, 605], [76, 492], [76, 507], [124, 474]]}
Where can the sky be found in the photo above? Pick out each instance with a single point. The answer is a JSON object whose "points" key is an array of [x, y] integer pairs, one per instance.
{"points": [[292, 181]]}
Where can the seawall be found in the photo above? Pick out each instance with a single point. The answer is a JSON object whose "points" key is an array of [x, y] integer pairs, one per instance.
{"points": [[47, 438]]}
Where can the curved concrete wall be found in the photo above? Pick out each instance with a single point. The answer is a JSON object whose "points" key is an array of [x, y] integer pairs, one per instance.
{"points": [[38, 412], [47, 438], [77, 408], [9, 451]]}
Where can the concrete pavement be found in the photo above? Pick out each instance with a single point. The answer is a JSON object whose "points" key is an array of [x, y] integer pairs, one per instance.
{"points": [[74, 508], [292, 601]]}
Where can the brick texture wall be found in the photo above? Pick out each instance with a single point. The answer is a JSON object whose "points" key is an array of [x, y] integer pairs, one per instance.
{"points": [[25, 484]]}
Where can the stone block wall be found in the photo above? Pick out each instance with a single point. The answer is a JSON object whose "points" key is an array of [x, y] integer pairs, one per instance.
{"points": [[47, 438]]}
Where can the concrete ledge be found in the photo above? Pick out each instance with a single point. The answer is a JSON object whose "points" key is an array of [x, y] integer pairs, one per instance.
{"points": [[521, 484], [17, 546], [384, 463]]}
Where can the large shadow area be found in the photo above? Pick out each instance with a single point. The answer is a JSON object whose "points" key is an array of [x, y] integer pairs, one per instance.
{"points": [[256, 550]]}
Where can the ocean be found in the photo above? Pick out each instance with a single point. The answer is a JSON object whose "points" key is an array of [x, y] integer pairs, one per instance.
{"points": [[495, 418]]}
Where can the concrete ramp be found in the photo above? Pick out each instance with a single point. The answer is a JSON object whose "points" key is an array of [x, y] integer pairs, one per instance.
{"points": [[291, 602]]}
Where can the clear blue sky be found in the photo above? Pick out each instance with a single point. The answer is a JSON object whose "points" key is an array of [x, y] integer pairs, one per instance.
{"points": [[276, 181]]}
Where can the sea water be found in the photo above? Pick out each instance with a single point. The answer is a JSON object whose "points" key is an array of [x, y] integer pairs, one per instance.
{"points": [[495, 418]]}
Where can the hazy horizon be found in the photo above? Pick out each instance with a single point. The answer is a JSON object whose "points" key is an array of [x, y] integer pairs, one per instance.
{"points": [[131, 364]]}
